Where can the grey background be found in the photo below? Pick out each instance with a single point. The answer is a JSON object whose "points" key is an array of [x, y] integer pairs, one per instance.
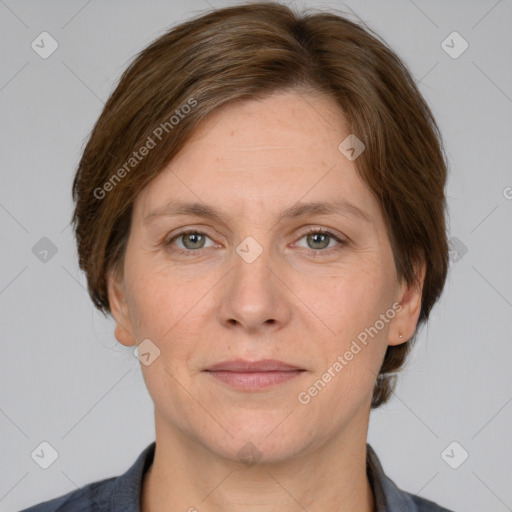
{"points": [[64, 377]]}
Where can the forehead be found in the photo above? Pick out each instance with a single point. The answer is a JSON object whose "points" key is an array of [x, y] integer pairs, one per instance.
{"points": [[284, 125], [273, 151]]}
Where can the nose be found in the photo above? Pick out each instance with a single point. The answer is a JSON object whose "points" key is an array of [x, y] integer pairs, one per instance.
{"points": [[253, 297]]}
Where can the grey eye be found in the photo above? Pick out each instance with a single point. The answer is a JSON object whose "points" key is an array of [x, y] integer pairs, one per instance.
{"points": [[192, 240]]}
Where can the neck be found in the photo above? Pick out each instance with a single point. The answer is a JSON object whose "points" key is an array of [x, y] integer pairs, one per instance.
{"points": [[328, 478]]}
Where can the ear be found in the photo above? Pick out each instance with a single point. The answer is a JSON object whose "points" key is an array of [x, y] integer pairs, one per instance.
{"points": [[119, 308], [406, 318]]}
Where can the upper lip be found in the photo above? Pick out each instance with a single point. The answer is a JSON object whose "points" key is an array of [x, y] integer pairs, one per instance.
{"points": [[242, 365]]}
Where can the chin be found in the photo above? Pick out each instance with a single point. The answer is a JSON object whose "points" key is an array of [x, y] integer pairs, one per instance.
{"points": [[260, 440]]}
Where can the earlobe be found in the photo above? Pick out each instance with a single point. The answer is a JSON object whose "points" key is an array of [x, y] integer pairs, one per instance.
{"points": [[404, 324], [119, 309], [124, 336]]}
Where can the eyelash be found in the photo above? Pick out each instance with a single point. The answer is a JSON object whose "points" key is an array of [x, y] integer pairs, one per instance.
{"points": [[310, 252]]}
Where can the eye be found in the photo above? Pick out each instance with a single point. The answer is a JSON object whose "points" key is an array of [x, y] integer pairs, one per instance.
{"points": [[319, 240], [190, 241]]}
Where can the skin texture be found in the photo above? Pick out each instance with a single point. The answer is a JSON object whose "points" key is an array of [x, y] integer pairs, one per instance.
{"points": [[301, 302]]}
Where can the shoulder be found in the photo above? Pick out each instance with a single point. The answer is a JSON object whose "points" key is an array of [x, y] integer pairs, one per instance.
{"points": [[94, 496], [388, 496], [115, 494], [424, 505]]}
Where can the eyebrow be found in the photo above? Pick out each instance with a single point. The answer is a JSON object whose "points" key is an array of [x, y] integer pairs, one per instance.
{"points": [[333, 207]]}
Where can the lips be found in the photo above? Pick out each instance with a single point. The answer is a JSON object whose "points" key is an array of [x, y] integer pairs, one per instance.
{"points": [[253, 376], [243, 366]]}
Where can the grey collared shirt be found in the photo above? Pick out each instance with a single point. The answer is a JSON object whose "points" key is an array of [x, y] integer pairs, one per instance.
{"points": [[122, 493]]}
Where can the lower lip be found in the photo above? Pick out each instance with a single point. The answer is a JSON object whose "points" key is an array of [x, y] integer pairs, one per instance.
{"points": [[254, 381]]}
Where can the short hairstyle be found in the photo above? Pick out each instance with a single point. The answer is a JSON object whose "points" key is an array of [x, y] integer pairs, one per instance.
{"points": [[250, 51]]}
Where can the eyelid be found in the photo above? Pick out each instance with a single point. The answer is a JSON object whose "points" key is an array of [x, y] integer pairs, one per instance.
{"points": [[326, 231], [342, 241], [169, 239]]}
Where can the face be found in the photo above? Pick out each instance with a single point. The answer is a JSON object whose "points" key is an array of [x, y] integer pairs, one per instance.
{"points": [[314, 289]]}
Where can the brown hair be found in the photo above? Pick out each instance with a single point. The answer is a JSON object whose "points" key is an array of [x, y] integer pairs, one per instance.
{"points": [[249, 51]]}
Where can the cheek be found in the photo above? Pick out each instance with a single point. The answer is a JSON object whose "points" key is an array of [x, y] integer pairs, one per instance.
{"points": [[349, 308], [347, 300], [158, 300], [169, 311]]}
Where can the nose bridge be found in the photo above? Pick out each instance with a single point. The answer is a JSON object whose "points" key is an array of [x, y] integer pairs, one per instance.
{"points": [[252, 262], [252, 295]]}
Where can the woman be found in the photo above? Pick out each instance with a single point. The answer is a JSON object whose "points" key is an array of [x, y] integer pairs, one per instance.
{"points": [[260, 207]]}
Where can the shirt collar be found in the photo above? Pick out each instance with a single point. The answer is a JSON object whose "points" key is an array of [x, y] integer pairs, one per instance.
{"points": [[388, 497], [127, 490], [128, 487]]}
